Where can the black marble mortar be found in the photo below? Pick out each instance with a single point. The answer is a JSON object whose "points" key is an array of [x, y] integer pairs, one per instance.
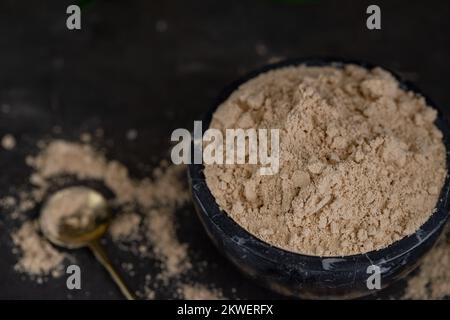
{"points": [[304, 276]]}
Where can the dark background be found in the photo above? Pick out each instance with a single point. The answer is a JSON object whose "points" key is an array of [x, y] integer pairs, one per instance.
{"points": [[120, 72]]}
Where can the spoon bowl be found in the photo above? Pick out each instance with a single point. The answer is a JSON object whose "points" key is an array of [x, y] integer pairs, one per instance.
{"points": [[74, 217], [78, 217]]}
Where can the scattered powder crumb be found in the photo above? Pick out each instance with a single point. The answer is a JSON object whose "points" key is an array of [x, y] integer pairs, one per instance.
{"points": [[199, 292], [8, 202], [129, 268], [85, 137], [27, 202], [37, 256], [8, 142], [275, 59], [132, 134], [341, 131], [149, 292]]}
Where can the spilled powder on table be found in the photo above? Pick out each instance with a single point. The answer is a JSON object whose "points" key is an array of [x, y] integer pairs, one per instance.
{"points": [[199, 292], [125, 226], [152, 223], [173, 253], [62, 157], [38, 256]]}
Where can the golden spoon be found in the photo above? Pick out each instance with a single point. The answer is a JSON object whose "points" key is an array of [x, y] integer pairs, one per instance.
{"points": [[76, 217]]}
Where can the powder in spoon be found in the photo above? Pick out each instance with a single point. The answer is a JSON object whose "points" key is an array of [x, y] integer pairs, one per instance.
{"points": [[75, 209], [361, 161]]}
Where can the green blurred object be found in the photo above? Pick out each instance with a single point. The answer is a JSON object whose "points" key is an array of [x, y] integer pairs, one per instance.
{"points": [[84, 3]]}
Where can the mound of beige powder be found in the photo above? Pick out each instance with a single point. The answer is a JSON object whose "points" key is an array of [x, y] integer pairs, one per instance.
{"points": [[361, 161]]}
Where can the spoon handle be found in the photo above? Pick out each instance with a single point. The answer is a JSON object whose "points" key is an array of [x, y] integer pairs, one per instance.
{"points": [[100, 253]]}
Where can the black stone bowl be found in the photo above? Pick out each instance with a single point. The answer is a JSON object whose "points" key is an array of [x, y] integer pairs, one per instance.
{"points": [[304, 276]]}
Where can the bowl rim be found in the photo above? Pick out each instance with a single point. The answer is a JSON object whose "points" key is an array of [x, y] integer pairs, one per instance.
{"points": [[222, 221]]}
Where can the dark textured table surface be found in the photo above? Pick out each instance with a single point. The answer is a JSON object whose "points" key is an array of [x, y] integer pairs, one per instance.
{"points": [[122, 71]]}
